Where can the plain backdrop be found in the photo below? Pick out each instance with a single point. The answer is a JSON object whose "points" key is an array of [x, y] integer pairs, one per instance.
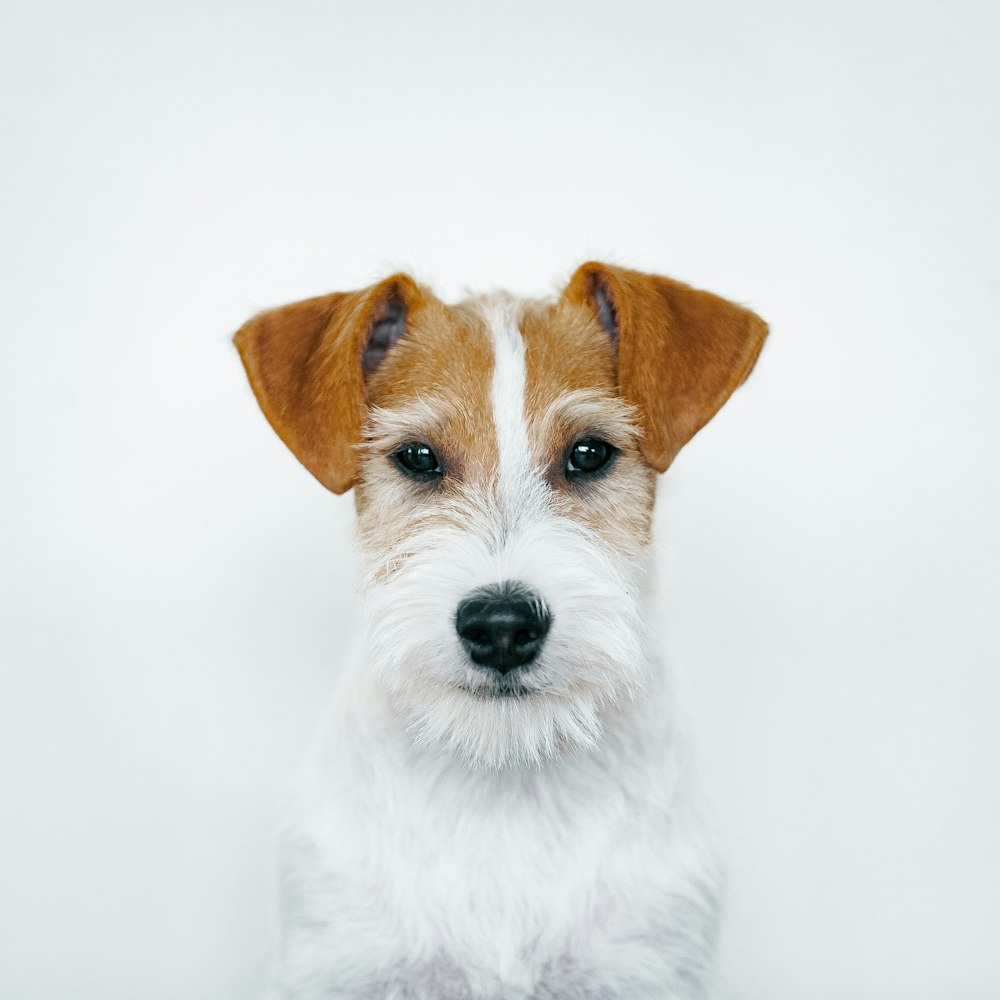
{"points": [[175, 590]]}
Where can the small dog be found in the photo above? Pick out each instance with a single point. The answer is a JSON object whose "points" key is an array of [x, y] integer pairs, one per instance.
{"points": [[502, 805]]}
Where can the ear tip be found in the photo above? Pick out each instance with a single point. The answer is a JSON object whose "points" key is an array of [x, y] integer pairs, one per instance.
{"points": [[584, 280], [404, 285], [336, 480], [242, 340], [660, 455], [250, 330], [590, 269], [240, 337], [247, 342], [759, 330], [757, 333]]}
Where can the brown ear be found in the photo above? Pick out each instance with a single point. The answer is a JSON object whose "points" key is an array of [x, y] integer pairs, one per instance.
{"points": [[681, 352], [307, 364]]}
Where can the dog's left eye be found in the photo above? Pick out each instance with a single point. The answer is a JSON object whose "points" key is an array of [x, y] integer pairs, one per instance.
{"points": [[417, 460], [588, 456]]}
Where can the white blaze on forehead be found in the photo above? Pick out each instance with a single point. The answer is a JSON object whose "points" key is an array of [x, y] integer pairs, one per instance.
{"points": [[501, 314]]}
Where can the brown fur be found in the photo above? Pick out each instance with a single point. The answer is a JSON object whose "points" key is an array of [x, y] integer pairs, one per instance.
{"points": [[682, 351], [678, 355], [570, 360], [304, 363], [438, 378]]}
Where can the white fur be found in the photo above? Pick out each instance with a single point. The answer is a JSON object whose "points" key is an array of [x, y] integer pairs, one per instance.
{"points": [[518, 480], [449, 845]]}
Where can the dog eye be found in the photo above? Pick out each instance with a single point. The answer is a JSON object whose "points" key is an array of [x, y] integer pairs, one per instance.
{"points": [[588, 456], [418, 461]]}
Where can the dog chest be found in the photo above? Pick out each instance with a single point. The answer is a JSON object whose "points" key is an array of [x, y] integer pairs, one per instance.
{"points": [[500, 885]]}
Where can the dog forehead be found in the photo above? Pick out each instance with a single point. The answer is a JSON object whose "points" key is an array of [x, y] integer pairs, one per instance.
{"points": [[446, 353], [566, 350], [494, 358]]}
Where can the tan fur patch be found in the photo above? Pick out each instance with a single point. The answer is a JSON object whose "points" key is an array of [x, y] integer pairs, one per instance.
{"points": [[665, 359], [572, 394], [433, 388]]}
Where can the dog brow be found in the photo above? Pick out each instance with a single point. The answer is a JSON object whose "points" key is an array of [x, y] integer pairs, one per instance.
{"points": [[388, 426], [591, 409]]}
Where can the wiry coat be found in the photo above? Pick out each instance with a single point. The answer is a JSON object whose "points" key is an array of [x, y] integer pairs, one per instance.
{"points": [[407, 874], [465, 833]]}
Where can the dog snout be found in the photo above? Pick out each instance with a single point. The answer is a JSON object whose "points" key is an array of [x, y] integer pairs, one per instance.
{"points": [[503, 627]]}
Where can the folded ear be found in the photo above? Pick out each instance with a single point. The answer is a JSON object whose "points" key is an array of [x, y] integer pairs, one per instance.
{"points": [[681, 352], [307, 364]]}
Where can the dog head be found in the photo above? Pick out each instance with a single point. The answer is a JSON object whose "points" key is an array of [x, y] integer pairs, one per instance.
{"points": [[504, 456]]}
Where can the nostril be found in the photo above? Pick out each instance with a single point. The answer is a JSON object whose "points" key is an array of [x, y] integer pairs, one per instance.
{"points": [[475, 634]]}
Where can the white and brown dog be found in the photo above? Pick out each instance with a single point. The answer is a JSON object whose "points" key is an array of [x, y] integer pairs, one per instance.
{"points": [[502, 804]]}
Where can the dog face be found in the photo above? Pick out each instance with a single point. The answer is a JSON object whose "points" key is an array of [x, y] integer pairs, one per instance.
{"points": [[504, 457]]}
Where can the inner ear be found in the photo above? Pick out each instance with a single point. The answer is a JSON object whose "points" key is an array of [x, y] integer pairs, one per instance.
{"points": [[388, 327], [604, 305]]}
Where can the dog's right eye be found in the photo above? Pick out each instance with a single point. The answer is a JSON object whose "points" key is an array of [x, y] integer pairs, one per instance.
{"points": [[589, 457], [418, 461]]}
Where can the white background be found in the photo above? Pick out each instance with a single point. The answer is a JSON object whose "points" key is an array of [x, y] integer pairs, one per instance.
{"points": [[176, 590]]}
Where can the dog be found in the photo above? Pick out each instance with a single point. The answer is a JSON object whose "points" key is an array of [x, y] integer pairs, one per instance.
{"points": [[502, 804]]}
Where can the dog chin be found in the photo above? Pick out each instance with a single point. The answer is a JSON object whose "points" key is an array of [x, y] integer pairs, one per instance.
{"points": [[494, 726], [498, 689]]}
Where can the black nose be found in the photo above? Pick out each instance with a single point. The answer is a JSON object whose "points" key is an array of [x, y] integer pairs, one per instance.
{"points": [[502, 627]]}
